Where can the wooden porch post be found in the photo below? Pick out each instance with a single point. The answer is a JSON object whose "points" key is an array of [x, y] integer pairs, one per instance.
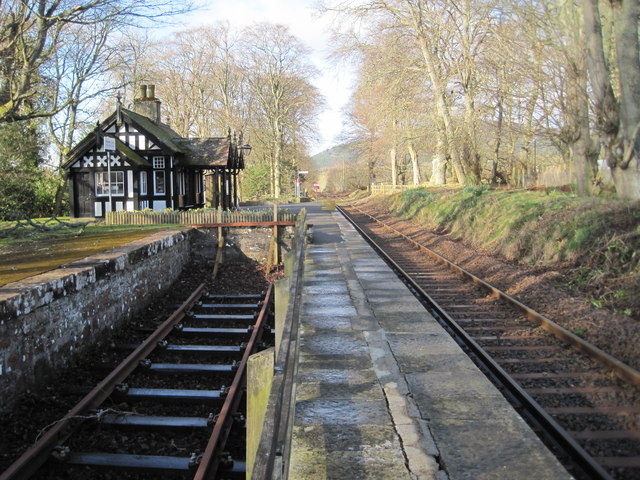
{"points": [[236, 203], [219, 187]]}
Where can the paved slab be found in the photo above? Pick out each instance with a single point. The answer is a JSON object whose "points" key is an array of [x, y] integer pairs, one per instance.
{"points": [[382, 391]]}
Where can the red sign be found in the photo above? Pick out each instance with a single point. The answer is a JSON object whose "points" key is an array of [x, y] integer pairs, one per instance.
{"points": [[316, 186]]}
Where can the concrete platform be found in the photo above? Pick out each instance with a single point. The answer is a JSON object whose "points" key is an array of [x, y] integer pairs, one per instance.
{"points": [[382, 391]]}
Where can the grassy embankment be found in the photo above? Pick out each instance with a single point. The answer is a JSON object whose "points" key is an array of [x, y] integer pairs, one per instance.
{"points": [[29, 251], [595, 242]]}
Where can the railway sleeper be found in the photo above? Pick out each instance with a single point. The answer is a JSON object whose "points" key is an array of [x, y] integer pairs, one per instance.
{"points": [[211, 316], [205, 348], [148, 365], [145, 463], [164, 345], [554, 375], [151, 463], [155, 421], [229, 306], [258, 296], [129, 394], [605, 434], [181, 329]]}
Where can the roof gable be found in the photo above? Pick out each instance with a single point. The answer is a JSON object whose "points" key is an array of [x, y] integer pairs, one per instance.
{"points": [[122, 153], [217, 152], [161, 134]]}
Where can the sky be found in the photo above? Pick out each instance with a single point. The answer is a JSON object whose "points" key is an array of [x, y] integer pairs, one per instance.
{"points": [[334, 83]]}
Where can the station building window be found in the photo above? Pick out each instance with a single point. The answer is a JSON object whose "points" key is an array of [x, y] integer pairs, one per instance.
{"points": [[158, 162], [159, 183], [103, 183]]}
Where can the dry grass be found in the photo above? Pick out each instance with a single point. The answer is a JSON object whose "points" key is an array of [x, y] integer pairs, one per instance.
{"points": [[594, 242]]}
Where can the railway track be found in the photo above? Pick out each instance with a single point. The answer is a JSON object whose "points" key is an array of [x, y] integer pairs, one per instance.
{"points": [[173, 408], [582, 401]]}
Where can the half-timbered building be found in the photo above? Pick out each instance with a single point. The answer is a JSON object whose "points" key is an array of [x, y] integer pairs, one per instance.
{"points": [[147, 165]]}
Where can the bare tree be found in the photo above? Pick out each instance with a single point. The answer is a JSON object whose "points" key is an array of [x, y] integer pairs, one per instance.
{"points": [[30, 32], [448, 37], [201, 81], [277, 74], [570, 125], [79, 70]]}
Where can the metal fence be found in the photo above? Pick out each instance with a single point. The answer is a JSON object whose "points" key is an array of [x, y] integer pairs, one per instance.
{"points": [[196, 217]]}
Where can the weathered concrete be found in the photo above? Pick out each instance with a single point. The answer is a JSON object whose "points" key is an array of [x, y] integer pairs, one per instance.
{"points": [[259, 376], [382, 391]]}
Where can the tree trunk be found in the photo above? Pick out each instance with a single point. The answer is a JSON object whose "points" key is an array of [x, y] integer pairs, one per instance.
{"points": [[626, 174], [393, 157], [581, 144], [446, 131], [414, 163], [61, 189], [439, 166], [276, 172], [617, 121], [471, 155], [496, 159]]}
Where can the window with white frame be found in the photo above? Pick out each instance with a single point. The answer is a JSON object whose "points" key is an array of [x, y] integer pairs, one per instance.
{"points": [[159, 186], [103, 183], [143, 183], [158, 162]]}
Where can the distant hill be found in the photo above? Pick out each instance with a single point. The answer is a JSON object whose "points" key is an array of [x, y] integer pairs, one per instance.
{"points": [[334, 155]]}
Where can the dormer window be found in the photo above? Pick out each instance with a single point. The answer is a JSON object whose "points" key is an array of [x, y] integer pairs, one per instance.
{"points": [[158, 162]]}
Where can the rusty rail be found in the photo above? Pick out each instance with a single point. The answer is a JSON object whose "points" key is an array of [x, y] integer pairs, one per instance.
{"points": [[38, 453], [209, 463], [210, 458], [534, 411], [621, 369]]}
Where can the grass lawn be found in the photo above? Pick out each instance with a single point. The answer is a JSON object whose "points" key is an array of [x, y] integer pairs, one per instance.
{"points": [[29, 251]]}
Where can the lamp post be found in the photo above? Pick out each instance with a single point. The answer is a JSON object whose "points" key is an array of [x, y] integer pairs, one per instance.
{"points": [[246, 150]]}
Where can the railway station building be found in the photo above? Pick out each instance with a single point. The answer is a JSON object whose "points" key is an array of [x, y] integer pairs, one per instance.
{"points": [[132, 161]]}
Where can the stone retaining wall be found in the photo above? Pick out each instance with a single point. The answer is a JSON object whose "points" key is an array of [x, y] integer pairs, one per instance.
{"points": [[45, 318], [240, 243]]}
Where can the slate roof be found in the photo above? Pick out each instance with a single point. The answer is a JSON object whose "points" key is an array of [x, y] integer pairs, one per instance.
{"points": [[193, 152], [205, 152], [161, 133]]}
